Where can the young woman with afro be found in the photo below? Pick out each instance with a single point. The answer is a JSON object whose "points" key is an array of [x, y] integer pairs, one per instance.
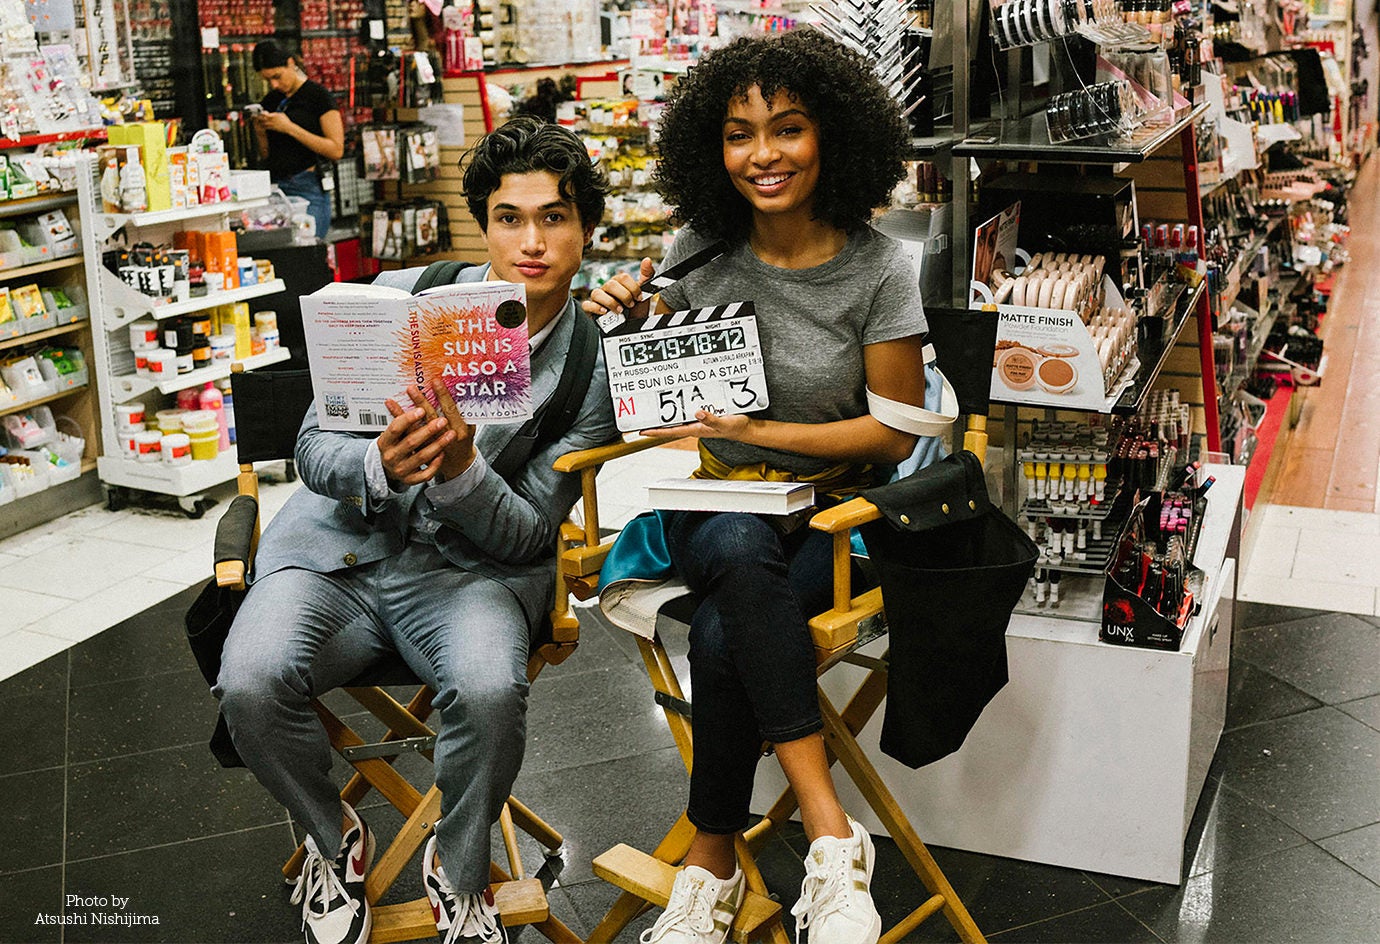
{"points": [[781, 147]]}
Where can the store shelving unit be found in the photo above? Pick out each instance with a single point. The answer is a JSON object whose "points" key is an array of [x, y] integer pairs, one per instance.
{"points": [[114, 305], [76, 402]]}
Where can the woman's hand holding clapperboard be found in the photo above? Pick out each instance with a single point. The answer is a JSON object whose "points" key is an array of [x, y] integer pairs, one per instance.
{"points": [[622, 294], [420, 443], [622, 297]]}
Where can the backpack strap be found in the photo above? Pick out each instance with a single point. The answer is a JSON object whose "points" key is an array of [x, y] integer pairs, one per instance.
{"points": [[558, 414], [439, 273]]}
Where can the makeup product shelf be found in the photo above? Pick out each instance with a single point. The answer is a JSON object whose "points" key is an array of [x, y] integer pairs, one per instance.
{"points": [[114, 221], [1099, 512], [6, 409], [49, 265], [40, 204], [179, 480], [124, 304], [1153, 355], [930, 145], [1261, 331], [45, 335], [1027, 139], [127, 387]]}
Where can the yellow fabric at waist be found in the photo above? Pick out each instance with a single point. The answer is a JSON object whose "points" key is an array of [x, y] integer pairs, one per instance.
{"points": [[837, 481]]}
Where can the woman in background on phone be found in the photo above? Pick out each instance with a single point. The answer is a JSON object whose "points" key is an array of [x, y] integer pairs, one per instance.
{"points": [[300, 125]]}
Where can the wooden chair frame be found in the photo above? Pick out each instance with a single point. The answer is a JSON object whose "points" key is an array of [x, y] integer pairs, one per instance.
{"points": [[521, 899], [646, 879]]}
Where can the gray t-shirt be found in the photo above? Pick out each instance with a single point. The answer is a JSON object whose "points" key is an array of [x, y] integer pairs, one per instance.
{"points": [[813, 323]]}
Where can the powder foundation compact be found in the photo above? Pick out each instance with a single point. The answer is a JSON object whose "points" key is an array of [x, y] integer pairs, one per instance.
{"points": [[1056, 374], [1016, 366]]}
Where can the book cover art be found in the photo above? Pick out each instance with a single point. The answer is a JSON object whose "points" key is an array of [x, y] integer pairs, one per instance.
{"points": [[477, 346], [368, 344]]}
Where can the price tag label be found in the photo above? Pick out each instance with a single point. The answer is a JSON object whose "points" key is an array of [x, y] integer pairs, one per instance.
{"points": [[665, 368]]}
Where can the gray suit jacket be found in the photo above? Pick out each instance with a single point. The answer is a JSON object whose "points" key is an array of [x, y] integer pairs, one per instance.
{"points": [[505, 530]]}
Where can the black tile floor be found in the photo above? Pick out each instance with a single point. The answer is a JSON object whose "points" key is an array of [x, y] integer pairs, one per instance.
{"points": [[108, 790]]}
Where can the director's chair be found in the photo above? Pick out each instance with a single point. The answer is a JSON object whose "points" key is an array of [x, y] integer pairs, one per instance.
{"points": [[269, 406], [853, 621]]}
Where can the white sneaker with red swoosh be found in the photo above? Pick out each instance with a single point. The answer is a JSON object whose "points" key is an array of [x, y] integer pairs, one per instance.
{"points": [[331, 893], [460, 919]]}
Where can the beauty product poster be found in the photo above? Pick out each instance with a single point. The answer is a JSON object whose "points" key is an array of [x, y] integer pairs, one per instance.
{"points": [[994, 244]]}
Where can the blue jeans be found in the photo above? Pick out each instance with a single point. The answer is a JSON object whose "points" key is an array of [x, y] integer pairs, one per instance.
{"points": [[300, 634], [307, 185], [752, 662]]}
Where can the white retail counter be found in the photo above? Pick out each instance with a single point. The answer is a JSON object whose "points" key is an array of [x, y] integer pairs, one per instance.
{"points": [[1093, 755]]}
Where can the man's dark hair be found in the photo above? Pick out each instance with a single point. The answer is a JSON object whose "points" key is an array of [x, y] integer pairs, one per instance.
{"points": [[526, 144], [271, 54], [863, 138]]}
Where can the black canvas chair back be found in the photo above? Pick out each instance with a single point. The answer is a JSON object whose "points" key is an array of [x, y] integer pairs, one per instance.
{"points": [[269, 407], [964, 340]]}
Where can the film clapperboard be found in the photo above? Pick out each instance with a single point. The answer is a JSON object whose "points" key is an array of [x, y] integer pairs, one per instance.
{"points": [[664, 368]]}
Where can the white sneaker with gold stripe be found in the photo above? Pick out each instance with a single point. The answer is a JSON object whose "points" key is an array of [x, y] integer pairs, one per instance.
{"points": [[835, 903], [700, 911]]}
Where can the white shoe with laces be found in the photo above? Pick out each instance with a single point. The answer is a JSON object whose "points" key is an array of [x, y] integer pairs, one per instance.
{"points": [[700, 911], [331, 893], [835, 901], [460, 919]]}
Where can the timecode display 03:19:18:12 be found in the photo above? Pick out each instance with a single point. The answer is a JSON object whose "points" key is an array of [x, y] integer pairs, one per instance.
{"points": [[700, 344]]}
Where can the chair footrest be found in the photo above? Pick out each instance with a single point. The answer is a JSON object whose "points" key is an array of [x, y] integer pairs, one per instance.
{"points": [[522, 901], [519, 902], [651, 879]]}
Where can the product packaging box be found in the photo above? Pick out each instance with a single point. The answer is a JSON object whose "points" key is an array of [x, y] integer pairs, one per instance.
{"points": [[109, 161], [210, 174], [151, 137], [10, 325], [27, 302], [239, 323], [192, 240], [51, 231], [222, 255], [1135, 579], [182, 193], [18, 183], [250, 184]]}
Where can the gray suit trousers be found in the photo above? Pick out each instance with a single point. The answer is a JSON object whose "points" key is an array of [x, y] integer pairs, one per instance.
{"points": [[299, 634]]}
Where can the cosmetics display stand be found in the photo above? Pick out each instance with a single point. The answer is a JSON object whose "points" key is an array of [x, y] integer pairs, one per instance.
{"points": [[114, 307], [1093, 755]]}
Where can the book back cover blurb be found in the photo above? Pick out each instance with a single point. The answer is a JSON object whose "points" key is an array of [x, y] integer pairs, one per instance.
{"points": [[475, 342], [364, 349]]}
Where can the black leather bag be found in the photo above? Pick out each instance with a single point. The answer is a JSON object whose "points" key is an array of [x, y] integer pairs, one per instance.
{"points": [[208, 622], [952, 568], [211, 614]]}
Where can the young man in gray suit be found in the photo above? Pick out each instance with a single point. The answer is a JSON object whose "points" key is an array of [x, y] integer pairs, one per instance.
{"points": [[410, 542]]}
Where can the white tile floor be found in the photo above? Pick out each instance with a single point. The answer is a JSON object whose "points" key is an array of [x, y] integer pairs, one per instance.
{"points": [[71, 578], [1314, 557]]}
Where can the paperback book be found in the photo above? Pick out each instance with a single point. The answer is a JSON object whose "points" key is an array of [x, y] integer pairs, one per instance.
{"points": [[763, 498], [368, 343]]}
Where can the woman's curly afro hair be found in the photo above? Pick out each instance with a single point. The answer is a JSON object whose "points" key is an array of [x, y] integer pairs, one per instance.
{"points": [[863, 137]]}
